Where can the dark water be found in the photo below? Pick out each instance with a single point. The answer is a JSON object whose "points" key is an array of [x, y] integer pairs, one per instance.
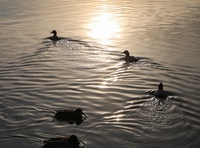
{"points": [[38, 77]]}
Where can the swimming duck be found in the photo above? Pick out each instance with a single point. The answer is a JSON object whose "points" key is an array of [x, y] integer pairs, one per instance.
{"points": [[129, 58], [160, 93], [54, 38], [75, 115], [62, 142]]}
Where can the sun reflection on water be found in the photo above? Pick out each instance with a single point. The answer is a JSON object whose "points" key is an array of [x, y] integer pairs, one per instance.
{"points": [[104, 27]]}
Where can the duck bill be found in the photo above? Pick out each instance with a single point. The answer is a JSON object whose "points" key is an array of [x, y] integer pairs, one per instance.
{"points": [[84, 114]]}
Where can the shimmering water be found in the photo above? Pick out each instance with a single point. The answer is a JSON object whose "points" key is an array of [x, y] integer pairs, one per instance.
{"points": [[38, 77]]}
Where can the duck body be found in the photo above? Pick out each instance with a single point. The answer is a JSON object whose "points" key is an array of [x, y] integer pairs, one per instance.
{"points": [[160, 93], [54, 38], [62, 142], [75, 115], [129, 58]]}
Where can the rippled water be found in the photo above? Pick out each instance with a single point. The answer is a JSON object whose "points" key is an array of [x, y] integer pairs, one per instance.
{"points": [[85, 70]]}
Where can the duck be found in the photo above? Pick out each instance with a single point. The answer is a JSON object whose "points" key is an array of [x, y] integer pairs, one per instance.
{"points": [[74, 115], [160, 93], [129, 58], [54, 38], [62, 142]]}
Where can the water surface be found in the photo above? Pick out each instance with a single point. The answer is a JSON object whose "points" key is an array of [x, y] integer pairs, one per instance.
{"points": [[85, 70]]}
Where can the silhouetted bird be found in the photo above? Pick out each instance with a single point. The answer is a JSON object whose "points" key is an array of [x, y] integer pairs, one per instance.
{"points": [[62, 142], [76, 115], [55, 38], [129, 58], [160, 93]]}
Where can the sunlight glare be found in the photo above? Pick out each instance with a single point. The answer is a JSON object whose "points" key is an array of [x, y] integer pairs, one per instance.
{"points": [[104, 27], [108, 82]]}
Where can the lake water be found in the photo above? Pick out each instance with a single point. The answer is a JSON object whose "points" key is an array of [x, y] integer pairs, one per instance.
{"points": [[85, 71]]}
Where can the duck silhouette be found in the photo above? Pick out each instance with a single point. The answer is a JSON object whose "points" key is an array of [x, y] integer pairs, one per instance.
{"points": [[160, 93], [72, 116], [129, 58], [55, 38], [62, 142]]}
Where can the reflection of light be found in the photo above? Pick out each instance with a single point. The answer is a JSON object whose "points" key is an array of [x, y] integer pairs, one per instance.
{"points": [[104, 27], [108, 82], [117, 119], [103, 85]]}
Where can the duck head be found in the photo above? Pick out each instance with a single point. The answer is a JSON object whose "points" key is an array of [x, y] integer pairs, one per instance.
{"points": [[73, 139], [126, 52], [79, 112], [54, 32], [160, 86]]}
